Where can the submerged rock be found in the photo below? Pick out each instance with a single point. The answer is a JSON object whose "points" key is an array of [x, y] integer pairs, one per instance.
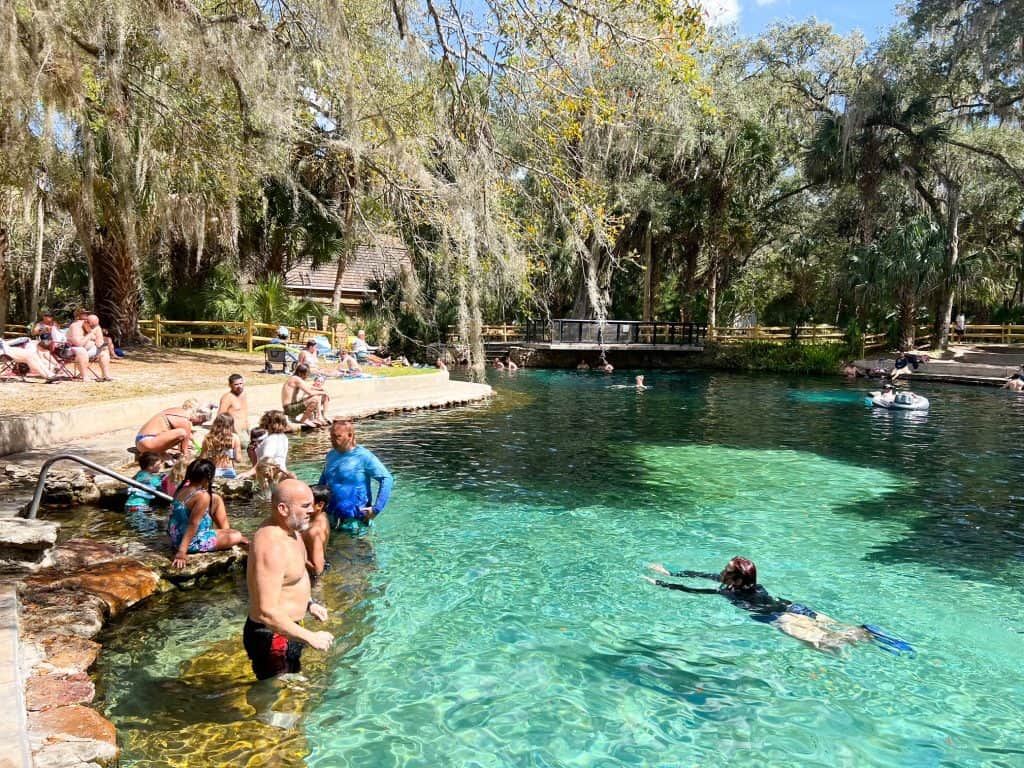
{"points": [[71, 723], [203, 564], [72, 736]]}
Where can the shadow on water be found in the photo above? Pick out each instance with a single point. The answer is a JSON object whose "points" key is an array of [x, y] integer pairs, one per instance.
{"points": [[573, 444]]}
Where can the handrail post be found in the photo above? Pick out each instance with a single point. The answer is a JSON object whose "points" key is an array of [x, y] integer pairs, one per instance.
{"points": [[37, 497]]}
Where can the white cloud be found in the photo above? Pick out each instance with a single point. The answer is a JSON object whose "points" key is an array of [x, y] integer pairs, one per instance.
{"points": [[718, 13]]}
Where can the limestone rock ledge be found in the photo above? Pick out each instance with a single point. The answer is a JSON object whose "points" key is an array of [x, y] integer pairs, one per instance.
{"points": [[65, 605]]}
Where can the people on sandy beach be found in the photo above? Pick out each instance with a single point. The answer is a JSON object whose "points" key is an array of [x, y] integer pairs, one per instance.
{"points": [[302, 402], [27, 355], [279, 587], [349, 472], [198, 521], [362, 352], [235, 403], [171, 428]]}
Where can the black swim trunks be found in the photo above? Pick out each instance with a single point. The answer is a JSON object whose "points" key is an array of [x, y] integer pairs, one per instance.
{"points": [[271, 654]]}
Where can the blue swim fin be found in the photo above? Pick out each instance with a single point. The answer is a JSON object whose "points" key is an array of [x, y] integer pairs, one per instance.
{"points": [[889, 642]]}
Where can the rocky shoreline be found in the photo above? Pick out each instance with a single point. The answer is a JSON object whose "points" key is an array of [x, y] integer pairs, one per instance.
{"points": [[63, 607]]}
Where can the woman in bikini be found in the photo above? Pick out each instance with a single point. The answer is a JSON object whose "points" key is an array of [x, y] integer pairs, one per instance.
{"points": [[171, 428], [199, 521], [222, 446]]}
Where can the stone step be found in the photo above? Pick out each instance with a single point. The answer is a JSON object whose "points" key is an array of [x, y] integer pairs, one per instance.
{"points": [[993, 358], [26, 541]]}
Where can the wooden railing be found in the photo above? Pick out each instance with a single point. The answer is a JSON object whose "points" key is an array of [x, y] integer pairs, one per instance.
{"points": [[15, 331], [246, 333], [782, 334], [990, 334], [503, 333]]}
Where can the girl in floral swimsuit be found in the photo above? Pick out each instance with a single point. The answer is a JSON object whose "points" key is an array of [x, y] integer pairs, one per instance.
{"points": [[198, 521]]}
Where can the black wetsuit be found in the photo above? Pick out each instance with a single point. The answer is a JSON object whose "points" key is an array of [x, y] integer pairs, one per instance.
{"points": [[755, 599]]}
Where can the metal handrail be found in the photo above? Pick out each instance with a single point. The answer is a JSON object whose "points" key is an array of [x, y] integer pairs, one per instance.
{"points": [[33, 508]]}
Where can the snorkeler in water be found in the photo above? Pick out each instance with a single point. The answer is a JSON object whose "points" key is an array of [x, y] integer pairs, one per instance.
{"points": [[738, 584]]}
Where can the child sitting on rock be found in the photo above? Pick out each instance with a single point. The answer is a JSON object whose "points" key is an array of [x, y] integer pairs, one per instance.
{"points": [[138, 501]]}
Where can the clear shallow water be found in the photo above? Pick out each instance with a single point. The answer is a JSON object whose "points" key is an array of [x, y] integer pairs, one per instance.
{"points": [[496, 615]]}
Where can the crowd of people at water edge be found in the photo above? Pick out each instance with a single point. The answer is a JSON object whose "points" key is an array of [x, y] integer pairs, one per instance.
{"points": [[1016, 382], [349, 473], [602, 365], [279, 587], [235, 403], [738, 583]]}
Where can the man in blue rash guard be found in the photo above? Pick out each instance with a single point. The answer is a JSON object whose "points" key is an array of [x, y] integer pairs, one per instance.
{"points": [[349, 472]]}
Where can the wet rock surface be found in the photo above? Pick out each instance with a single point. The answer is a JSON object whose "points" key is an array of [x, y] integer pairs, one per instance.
{"points": [[44, 692], [63, 606]]}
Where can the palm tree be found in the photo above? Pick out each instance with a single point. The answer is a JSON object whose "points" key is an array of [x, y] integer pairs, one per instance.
{"points": [[900, 271]]}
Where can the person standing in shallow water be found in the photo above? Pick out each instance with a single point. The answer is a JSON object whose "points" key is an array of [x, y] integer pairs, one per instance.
{"points": [[349, 472], [279, 587]]}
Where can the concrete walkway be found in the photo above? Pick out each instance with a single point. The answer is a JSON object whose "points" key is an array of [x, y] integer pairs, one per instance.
{"points": [[14, 748], [350, 398], [993, 372]]}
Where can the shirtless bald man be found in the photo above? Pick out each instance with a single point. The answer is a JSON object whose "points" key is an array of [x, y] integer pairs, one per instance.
{"points": [[86, 334], [279, 590]]}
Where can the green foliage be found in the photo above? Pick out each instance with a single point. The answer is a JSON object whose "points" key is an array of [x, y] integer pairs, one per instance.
{"points": [[265, 302], [777, 358]]}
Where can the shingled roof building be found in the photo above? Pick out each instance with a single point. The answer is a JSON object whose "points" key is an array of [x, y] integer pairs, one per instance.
{"points": [[372, 264]]}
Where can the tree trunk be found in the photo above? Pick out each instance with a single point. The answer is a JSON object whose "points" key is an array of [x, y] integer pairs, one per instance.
{"points": [[952, 257], [37, 266], [907, 315], [116, 284], [648, 275], [592, 290], [712, 294], [347, 256], [5, 288]]}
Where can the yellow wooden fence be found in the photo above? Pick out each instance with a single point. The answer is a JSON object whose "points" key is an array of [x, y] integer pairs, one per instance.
{"points": [[246, 333]]}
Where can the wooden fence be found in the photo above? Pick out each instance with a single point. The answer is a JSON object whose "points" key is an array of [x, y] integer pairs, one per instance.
{"points": [[504, 333], [805, 334], [248, 334]]}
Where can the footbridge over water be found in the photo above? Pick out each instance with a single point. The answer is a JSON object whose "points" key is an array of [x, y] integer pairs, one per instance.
{"points": [[564, 342]]}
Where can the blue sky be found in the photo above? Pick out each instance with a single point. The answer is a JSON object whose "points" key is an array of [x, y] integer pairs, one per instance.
{"points": [[869, 16]]}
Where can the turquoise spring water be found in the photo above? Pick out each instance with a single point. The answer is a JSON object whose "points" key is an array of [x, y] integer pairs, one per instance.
{"points": [[496, 615]]}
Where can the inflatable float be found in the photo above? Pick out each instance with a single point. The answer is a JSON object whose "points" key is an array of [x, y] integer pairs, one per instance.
{"points": [[901, 401]]}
